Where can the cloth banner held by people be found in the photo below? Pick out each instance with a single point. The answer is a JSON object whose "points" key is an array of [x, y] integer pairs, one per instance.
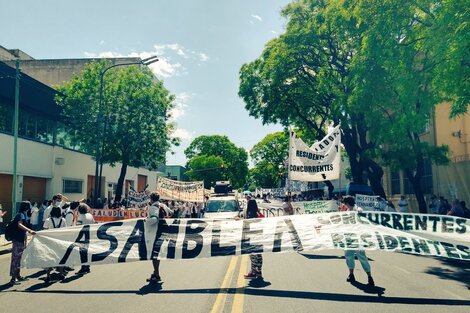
{"points": [[140, 239], [108, 215], [169, 189], [139, 199], [300, 207], [367, 203], [319, 162]]}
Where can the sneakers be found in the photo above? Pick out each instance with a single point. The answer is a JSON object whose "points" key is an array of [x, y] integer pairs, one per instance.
{"points": [[252, 275], [83, 271], [21, 278], [351, 278], [14, 282], [154, 279], [370, 282]]}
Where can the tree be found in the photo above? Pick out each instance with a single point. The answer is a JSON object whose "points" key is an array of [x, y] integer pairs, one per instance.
{"points": [[212, 149], [394, 71], [135, 108], [208, 168], [269, 157], [303, 79]]}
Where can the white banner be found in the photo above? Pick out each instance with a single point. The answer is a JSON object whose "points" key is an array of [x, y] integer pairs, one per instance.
{"points": [[135, 240], [301, 207], [367, 203], [319, 162], [139, 200], [169, 189]]}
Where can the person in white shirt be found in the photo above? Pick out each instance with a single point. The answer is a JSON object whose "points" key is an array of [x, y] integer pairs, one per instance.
{"points": [[287, 206], [35, 217], [349, 204], [155, 210], [84, 218], [403, 204], [55, 221], [56, 202], [84, 215], [69, 213]]}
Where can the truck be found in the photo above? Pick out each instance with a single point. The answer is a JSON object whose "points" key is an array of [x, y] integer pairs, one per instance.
{"points": [[223, 202]]}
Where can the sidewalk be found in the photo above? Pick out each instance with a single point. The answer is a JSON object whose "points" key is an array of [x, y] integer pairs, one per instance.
{"points": [[5, 246]]}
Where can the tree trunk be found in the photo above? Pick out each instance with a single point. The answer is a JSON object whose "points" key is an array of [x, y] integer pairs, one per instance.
{"points": [[330, 188], [375, 174], [120, 182], [416, 182]]}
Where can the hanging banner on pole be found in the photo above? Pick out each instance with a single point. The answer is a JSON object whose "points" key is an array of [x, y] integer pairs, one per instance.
{"points": [[145, 239], [319, 162], [169, 189]]}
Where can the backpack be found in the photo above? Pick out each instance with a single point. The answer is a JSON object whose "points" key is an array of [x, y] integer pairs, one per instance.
{"points": [[11, 230]]}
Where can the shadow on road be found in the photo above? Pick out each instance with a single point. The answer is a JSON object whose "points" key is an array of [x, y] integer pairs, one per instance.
{"points": [[258, 283], [369, 289], [150, 288], [459, 271], [328, 296], [326, 257]]}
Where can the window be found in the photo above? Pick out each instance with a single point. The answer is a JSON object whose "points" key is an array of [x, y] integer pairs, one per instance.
{"points": [[395, 182], [6, 117], [72, 186], [426, 181]]}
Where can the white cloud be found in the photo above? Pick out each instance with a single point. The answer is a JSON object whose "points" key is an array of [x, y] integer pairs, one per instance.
{"points": [[183, 134], [257, 17], [203, 57], [274, 32], [181, 103], [171, 58], [101, 42]]}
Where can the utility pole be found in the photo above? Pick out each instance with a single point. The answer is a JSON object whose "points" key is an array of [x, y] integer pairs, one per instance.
{"points": [[15, 135]]}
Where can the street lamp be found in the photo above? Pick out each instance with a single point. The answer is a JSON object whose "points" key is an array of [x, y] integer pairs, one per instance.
{"points": [[146, 61]]}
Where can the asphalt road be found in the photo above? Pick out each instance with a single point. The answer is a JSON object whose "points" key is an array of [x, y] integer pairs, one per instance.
{"points": [[292, 283]]}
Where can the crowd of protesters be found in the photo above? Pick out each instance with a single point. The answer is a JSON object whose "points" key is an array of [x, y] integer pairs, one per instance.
{"points": [[60, 212]]}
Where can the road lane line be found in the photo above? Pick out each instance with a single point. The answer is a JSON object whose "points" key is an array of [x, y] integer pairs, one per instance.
{"points": [[239, 298], [222, 295]]}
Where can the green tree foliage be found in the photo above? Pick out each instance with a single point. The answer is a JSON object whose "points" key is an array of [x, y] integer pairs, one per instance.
{"points": [[393, 74], [206, 154], [446, 28], [303, 79], [134, 115], [377, 67], [208, 168], [269, 157]]}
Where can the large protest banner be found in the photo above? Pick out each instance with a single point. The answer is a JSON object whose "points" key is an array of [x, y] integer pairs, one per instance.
{"points": [[139, 239], [317, 163], [367, 203], [169, 189]]}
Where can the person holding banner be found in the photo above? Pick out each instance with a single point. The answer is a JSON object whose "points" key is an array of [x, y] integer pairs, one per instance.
{"points": [[287, 206], [155, 211], [252, 211], [84, 218], [349, 205]]}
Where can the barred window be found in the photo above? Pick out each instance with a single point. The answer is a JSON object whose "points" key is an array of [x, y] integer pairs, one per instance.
{"points": [[72, 186]]}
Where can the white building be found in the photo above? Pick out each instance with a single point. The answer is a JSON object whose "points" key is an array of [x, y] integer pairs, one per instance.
{"points": [[45, 164]]}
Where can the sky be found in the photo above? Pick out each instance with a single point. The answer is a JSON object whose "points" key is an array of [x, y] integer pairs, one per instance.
{"points": [[201, 44]]}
